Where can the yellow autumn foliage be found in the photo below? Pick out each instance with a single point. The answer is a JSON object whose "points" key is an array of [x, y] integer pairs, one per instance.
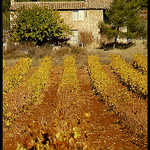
{"points": [[36, 83], [3, 64], [14, 76], [99, 78], [33, 85], [105, 86], [68, 80], [128, 75], [140, 62]]}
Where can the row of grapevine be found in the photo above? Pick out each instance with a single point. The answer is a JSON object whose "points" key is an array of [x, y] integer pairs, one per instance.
{"points": [[69, 80], [131, 77], [3, 64], [99, 78], [28, 91], [103, 84], [14, 76], [68, 93], [117, 97], [66, 99], [36, 83], [140, 62]]}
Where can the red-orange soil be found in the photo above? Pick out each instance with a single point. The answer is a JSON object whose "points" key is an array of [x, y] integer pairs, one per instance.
{"points": [[59, 117]]}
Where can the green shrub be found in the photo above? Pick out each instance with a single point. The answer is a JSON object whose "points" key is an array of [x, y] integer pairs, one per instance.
{"points": [[142, 29], [6, 21], [37, 25]]}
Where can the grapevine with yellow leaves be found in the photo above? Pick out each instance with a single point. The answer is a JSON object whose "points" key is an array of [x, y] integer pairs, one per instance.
{"points": [[69, 80], [99, 78], [3, 64], [37, 82], [11, 79], [140, 62], [14, 76], [33, 86], [131, 77], [118, 99], [101, 82]]}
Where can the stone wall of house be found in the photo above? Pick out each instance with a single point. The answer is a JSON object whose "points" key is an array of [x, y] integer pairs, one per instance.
{"points": [[89, 24], [91, 19]]}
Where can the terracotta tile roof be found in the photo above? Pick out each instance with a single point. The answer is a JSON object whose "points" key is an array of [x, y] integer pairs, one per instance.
{"points": [[99, 3], [87, 4]]}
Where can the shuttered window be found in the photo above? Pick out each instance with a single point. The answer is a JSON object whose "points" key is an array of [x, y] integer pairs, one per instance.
{"points": [[78, 15], [75, 15], [81, 14]]}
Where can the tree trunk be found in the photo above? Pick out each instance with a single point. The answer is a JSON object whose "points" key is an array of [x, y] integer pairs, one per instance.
{"points": [[115, 41]]}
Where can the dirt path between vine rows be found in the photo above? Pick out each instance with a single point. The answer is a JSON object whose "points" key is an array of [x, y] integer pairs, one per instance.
{"points": [[68, 121], [36, 113]]}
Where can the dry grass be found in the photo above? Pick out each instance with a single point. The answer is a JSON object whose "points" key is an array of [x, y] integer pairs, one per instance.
{"points": [[140, 46], [80, 55], [14, 52]]}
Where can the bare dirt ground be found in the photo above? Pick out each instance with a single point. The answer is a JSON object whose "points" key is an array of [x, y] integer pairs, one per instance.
{"points": [[68, 121], [74, 121]]}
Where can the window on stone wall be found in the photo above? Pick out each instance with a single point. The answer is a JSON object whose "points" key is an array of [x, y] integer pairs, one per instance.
{"points": [[78, 15], [75, 15]]}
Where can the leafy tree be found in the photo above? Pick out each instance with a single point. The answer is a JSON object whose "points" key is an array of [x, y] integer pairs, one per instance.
{"points": [[6, 5], [143, 4], [142, 29], [6, 21], [38, 25], [120, 14]]}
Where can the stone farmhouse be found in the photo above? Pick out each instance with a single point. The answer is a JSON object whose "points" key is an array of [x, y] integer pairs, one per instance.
{"points": [[79, 15]]}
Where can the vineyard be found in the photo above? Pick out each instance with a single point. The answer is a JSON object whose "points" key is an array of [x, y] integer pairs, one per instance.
{"points": [[71, 107]]}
